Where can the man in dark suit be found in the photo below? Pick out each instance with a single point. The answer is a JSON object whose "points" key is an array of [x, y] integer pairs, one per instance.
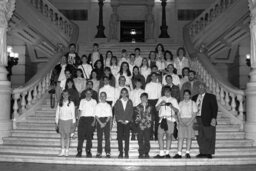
{"points": [[206, 118]]}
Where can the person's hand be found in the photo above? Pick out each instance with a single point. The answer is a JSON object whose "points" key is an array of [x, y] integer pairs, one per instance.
{"points": [[93, 124], [126, 122], [162, 102], [213, 122], [102, 125]]}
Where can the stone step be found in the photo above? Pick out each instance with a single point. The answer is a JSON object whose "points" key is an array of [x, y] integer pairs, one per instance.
{"points": [[243, 151], [133, 144], [132, 161], [51, 119], [51, 126]]}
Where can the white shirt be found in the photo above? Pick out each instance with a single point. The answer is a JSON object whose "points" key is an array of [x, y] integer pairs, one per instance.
{"points": [[124, 103], [62, 75], [66, 112], [138, 61], [160, 65], [80, 84], [180, 64], [199, 102], [87, 108], [167, 111], [87, 69], [145, 71], [175, 79], [103, 110], [154, 90], [95, 56], [135, 96], [187, 108], [110, 91], [63, 83]]}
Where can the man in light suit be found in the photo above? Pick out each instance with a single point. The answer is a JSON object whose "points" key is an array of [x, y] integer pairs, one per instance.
{"points": [[206, 118]]}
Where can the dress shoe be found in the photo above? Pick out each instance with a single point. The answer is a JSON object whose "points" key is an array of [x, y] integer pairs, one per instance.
{"points": [[209, 156], [167, 156], [177, 156], [79, 154], [120, 156], [147, 156], [141, 156], [200, 156], [187, 156], [108, 155], [88, 154], [98, 155], [159, 157]]}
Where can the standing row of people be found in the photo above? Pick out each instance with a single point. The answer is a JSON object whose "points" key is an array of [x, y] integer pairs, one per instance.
{"points": [[149, 100]]}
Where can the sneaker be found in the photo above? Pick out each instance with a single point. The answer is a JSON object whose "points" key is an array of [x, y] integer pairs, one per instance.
{"points": [[79, 154], [98, 155], [108, 155], [177, 156], [159, 157], [62, 153], [88, 154], [187, 156], [167, 156], [66, 152]]}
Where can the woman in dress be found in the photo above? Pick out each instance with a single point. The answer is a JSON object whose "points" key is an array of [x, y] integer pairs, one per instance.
{"points": [[186, 117], [137, 76], [144, 68]]}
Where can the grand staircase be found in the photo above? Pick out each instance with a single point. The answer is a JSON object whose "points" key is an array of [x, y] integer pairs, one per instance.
{"points": [[33, 138]]}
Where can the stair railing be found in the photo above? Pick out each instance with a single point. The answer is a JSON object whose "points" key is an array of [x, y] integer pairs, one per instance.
{"points": [[231, 100]]}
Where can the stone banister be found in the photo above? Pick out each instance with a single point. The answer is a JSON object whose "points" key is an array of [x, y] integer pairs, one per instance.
{"points": [[54, 15], [209, 15], [231, 100]]}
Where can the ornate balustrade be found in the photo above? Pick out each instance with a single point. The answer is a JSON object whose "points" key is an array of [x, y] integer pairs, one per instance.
{"points": [[209, 15], [54, 15]]}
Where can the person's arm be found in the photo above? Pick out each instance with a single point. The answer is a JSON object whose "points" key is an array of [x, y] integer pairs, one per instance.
{"points": [[159, 103], [73, 112], [57, 116]]}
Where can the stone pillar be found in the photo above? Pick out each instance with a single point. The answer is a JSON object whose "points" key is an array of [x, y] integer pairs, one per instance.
{"points": [[6, 11], [150, 25], [164, 27], [100, 27], [113, 25], [250, 124]]}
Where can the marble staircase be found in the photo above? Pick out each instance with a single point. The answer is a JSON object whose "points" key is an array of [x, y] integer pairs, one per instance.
{"points": [[35, 140]]}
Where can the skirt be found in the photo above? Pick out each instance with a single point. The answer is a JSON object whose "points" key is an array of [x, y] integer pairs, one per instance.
{"points": [[65, 127], [186, 131]]}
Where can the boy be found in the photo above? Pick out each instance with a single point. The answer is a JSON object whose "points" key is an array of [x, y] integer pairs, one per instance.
{"points": [[86, 123], [103, 114], [167, 107], [144, 121]]}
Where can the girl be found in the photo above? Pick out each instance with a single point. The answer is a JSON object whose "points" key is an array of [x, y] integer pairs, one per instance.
{"points": [[114, 66], [80, 81], [94, 79], [168, 56], [86, 68], [99, 68], [108, 58], [144, 68], [73, 93], [152, 59], [137, 76], [125, 71], [159, 50], [123, 110], [186, 116], [65, 118], [181, 61]]}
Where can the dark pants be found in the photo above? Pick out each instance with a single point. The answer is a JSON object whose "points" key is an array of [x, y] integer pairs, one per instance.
{"points": [[206, 138], [106, 131], [123, 133], [144, 140], [85, 131], [134, 126], [155, 118]]}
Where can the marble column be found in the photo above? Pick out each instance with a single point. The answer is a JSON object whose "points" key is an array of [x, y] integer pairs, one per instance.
{"points": [[250, 124], [150, 25], [6, 11], [100, 27], [113, 25], [164, 27]]}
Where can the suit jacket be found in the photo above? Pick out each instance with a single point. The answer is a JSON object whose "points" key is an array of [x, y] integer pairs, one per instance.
{"points": [[209, 108], [122, 114]]}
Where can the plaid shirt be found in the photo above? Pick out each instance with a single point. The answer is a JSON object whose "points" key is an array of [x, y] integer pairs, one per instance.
{"points": [[143, 117]]}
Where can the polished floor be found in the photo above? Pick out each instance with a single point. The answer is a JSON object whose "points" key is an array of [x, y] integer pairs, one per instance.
{"points": [[4, 166]]}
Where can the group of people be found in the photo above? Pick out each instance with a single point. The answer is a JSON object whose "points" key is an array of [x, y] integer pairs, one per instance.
{"points": [[150, 97]]}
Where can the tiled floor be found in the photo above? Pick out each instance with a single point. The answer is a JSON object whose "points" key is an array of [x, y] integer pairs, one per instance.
{"points": [[53, 167]]}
